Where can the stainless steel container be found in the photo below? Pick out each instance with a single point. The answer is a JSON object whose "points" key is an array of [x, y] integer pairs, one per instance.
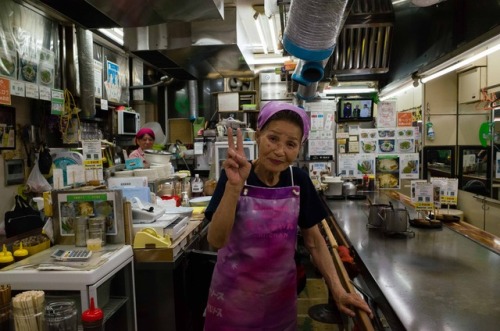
{"points": [[349, 188], [334, 188], [375, 215], [395, 220]]}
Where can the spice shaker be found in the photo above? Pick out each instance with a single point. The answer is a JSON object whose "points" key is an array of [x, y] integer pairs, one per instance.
{"points": [[93, 318]]}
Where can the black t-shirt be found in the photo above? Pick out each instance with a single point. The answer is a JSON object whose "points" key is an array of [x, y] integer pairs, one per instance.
{"points": [[312, 210]]}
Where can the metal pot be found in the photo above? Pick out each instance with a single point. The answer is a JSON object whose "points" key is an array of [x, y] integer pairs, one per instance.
{"points": [[348, 188]]}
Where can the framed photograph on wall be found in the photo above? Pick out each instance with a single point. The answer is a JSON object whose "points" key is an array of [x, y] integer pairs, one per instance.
{"points": [[7, 127]]}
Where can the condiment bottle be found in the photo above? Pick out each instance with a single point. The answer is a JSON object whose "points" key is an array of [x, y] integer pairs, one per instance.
{"points": [[93, 318], [6, 257], [197, 186], [20, 253]]}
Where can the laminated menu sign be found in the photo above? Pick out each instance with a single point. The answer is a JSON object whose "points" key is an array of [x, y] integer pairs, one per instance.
{"points": [[366, 165], [386, 117], [409, 165], [445, 191], [348, 165], [5, 98], [424, 196], [92, 159], [497, 168], [405, 119], [112, 83]]}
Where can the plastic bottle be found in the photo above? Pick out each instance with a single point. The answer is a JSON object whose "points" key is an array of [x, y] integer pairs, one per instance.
{"points": [[6, 257], [20, 253], [93, 318], [197, 187]]}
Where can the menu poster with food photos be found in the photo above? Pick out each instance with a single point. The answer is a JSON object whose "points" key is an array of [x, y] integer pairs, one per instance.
{"points": [[348, 165], [366, 164], [46, 67], [8, 58], [387, 171], [95, 204], [409, 165], [386, 145], [405, 140], [424, 196], [386, 114]]}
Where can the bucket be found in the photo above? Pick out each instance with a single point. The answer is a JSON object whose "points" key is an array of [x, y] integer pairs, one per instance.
{"points": [[395, 220]]}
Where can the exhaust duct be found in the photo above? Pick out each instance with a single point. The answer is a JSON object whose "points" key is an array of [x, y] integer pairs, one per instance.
{"points": [[193, 99], [313, 27], [84, 43]]}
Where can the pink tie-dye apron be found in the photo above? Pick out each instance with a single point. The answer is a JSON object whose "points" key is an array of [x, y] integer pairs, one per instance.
{"points": [[254, 281]]}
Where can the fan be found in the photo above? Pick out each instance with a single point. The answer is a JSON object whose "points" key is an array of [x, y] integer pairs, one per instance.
{"points": [[237, 84]]}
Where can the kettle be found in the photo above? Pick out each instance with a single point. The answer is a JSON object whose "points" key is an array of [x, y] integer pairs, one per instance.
{"points": [[348, 188]]}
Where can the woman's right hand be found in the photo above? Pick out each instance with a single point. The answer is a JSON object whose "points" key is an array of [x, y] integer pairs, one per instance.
{"points": [[236, 165]]}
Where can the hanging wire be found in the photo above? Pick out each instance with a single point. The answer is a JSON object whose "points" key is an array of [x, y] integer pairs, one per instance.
{"points": [[70, 111]]}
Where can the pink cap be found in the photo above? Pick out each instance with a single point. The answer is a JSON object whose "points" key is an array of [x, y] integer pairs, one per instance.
{"points": [[144, 131], [273, 107]]}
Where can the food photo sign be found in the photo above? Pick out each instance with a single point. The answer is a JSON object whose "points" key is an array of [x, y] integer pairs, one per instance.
{"points": [[107, 204], [387, 171]]}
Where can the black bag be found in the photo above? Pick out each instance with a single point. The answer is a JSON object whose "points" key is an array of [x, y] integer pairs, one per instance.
{"points": [[22, 219]]}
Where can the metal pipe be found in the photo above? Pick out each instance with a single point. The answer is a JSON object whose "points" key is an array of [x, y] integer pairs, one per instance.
{"points": [[84, 42], [193, 99]]}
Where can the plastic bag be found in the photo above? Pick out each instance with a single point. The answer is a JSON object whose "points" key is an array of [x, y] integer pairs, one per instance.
{"points": [[36, 182]]}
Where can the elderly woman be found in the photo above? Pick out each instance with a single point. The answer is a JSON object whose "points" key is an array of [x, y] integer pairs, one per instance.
{"points": [[144, 139], [254, 214]]}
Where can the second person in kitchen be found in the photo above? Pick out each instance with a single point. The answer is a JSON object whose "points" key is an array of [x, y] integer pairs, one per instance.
{"points": [[144, 139], [254, 216]]}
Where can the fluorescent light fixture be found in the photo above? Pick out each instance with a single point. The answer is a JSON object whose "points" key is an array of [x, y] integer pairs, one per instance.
{"points": [[349, 90], [115, 34], [275, 59], [260, 33], [462, 63], [397, 91], [272, 32]]}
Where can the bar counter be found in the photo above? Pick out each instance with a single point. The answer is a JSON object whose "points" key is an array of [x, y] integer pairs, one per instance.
{"points": [[437, 279]]}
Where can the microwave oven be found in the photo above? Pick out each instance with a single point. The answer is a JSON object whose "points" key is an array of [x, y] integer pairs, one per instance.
{"points": [[129, 122], [220, 154]]}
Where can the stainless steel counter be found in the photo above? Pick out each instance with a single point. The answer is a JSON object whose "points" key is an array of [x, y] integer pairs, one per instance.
{"points": [[436, 280]]}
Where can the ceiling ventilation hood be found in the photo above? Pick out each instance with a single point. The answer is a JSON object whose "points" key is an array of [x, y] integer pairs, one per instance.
{"points": [[94, 14], [364, 43], [206, 49]]}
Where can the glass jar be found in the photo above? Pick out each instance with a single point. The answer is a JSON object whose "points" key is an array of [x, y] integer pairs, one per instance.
{"points": [[81, 231], [61, 316]]}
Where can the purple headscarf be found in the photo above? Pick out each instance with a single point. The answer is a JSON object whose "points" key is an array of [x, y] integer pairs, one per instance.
{"points": [[273, 107], [144, 131]]}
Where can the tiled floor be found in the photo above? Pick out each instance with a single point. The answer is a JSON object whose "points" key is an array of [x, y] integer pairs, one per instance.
{"points": [[314, 293]]}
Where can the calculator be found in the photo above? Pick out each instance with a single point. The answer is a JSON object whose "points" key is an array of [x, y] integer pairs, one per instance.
{"points": [[71, 255]]}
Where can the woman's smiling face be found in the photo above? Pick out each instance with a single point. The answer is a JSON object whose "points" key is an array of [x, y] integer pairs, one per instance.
{"points": [[279, 145], [146, 142]]}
